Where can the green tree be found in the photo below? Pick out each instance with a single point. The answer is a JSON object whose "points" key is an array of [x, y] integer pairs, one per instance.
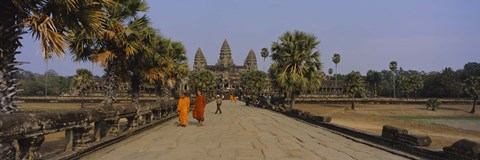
{"points": [[253, 82], [373, 80], [336, 60], [472, 87], [82, 82], [203, 80], [113, 47], [264, 54], [393, 68], [47, 21], [296, 65], [409, 84], [354, 84]]}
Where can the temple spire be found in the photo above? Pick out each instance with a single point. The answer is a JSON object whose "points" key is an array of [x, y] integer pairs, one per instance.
{"points": [[225, 59], [199, 62], [251, 61]]}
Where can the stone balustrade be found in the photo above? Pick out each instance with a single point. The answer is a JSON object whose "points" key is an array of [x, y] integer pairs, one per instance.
{"points": [[28, 130]]}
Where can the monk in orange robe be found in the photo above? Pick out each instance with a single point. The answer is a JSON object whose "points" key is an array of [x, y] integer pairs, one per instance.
{"points": [[182, 109], [199, 108], [234, 99], [231, 98]]}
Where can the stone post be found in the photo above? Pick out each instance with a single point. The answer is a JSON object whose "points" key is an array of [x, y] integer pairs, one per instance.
{"points": [[132, 123], [81, 137], [113, 127], [29, 147]]}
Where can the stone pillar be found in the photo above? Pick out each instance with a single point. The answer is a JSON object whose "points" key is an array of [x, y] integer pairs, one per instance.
{"points": [[157, 114], [7, 150], [81, 137], [29, 147], [148, 118], [113, 127], [132, 123]]}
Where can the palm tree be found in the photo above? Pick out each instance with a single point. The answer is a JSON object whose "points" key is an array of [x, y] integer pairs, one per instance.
{"points": [[175, 52], [82, 81], [136, 68], [47, 21], [330, 71], [113, 47], [354, 84], [472, 87], [296, 65], [393, 68], [336, 60], [264, 54]]}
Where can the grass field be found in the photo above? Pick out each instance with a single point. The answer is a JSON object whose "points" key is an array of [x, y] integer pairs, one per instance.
{"points": [[444, 126]]}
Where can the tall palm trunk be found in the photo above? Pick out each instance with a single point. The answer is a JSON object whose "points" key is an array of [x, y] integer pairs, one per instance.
{"points": [[292, 100], [9, 37], [135, 88], [10, 33], [336, 78], [109, 86], [353, 102], [394, 96], [474, 103]]}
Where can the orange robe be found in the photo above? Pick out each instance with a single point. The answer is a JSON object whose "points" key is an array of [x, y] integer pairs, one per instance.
{"points": [[200, 103], [182, 109], [231, 98], [234, 99]]}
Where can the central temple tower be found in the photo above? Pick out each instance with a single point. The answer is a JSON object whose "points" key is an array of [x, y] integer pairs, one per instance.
{"points": [[225, 59]]}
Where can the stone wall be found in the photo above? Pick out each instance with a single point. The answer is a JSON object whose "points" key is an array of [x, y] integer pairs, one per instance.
{"points": [[29, 129]]}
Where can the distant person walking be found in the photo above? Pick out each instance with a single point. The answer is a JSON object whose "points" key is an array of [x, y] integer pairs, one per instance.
{"points": [[219, 103], [199, 108], [182, 109], [234, 99]]}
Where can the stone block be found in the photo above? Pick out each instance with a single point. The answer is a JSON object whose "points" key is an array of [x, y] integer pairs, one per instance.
{"points": [[416, 140], [322, 118], [392, 132], [464, 149]]}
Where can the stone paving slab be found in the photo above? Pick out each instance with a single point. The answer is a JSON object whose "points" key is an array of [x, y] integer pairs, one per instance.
{"points": [[240, 132]]}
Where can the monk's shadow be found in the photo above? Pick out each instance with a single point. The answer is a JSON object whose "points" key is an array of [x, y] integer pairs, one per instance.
{"points": [[189, 123], [192, 123]]}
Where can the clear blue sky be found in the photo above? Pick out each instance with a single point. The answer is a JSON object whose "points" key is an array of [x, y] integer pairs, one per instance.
{"points": [[425, 35]]}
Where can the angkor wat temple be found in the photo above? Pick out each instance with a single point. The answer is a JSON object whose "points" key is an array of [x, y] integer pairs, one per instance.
{"points": [[227, 73]]}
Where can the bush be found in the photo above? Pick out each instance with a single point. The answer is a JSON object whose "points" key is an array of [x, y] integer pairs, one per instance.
{"points": [[433, 103]]}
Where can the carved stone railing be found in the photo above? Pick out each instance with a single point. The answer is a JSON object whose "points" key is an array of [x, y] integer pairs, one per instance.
{"points": [[28, 130]]}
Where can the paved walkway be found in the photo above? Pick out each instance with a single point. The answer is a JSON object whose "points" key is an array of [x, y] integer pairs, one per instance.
{"points": [[240, 132]]}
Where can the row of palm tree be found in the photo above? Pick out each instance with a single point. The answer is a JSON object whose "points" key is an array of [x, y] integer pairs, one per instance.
{"points": [[113, 33]]}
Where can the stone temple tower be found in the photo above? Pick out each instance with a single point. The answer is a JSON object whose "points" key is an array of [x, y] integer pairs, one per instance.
{"points": [[225, 59], [199, 62], [251, 61]]}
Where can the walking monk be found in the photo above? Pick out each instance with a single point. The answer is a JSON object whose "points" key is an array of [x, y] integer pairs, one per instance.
{"points": [[199, 108], [182, 109]]}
